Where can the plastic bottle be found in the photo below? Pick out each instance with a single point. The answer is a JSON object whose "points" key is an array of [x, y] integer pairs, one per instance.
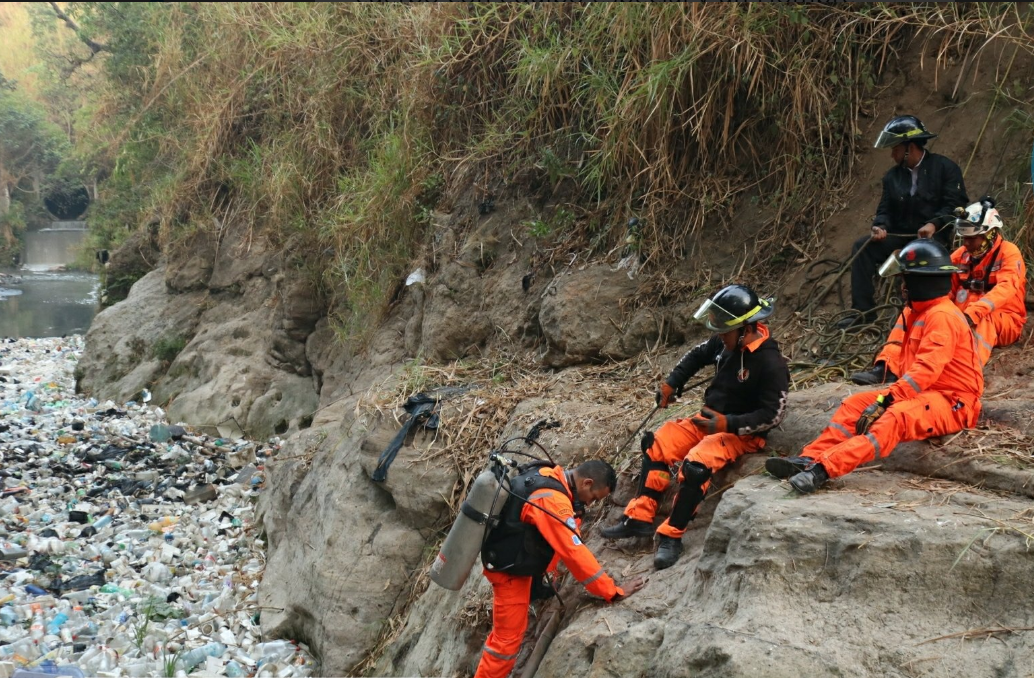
{"points": [[233, 669], [7, 615], [166, 521], [36, 628], [103, 521], [54, 627], [194, 657]]}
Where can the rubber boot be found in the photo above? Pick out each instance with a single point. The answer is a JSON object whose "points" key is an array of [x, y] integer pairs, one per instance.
{"points": [[784, 467], [627, 527], [668, 552], [877, 374], [808, 481]]}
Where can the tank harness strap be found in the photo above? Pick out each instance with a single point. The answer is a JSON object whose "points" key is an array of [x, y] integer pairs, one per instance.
{"points": [[983, 284], [475, 515]]}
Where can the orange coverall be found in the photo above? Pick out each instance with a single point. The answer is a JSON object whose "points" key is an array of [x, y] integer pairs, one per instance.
{"points": [[938, 392], [996, 315], [512, 594]]}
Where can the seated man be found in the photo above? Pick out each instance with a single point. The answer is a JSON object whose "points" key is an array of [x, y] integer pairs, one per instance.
{"points": [[938, 392], [990, 289], [919, 194], [746, 398]]}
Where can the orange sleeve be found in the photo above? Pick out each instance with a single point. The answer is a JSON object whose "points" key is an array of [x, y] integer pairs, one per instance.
{"points": [[936, 349], [567, 542], [1009, 286], [897, 333]]}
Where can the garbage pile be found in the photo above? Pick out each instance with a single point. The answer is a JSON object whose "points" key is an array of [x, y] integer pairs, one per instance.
{"points": [[127, 545]]}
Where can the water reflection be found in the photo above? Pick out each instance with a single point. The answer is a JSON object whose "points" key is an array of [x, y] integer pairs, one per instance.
{"points": [[46, 304]]}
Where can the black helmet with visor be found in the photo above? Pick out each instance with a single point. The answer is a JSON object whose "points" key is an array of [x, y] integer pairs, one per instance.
{"points": [[733, 307], [902, 129]]}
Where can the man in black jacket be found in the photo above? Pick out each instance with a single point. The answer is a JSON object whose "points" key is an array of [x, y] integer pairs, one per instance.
{"points": [[920, 194], [746, 398]]}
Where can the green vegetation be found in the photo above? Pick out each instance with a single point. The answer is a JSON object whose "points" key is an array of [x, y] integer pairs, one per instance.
{"points": [[167, 348], [334, 129], [31, 149]]}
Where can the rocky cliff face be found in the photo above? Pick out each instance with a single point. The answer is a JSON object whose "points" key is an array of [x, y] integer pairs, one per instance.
{"points": [[906, 568]]}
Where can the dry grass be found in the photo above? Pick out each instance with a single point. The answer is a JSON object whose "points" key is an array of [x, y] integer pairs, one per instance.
{"points": [[335, 128], [994, 442]]}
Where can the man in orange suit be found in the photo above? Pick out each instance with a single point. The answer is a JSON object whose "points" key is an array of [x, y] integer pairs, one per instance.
{"points": [[539, 526], [746, 399], [938, 392]]}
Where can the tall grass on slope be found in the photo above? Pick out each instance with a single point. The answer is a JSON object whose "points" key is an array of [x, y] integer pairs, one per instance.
{"points": [[323, 126]]}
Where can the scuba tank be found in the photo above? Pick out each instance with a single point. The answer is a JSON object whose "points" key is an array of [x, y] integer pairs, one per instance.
{"points": [[478, 514]]}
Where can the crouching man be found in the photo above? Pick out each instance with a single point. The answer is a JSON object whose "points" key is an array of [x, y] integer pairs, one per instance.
{"points": [[746, 398]]}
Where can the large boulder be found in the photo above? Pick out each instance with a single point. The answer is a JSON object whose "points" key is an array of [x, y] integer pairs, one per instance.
{"points": [[582, 313], [123, 354]]}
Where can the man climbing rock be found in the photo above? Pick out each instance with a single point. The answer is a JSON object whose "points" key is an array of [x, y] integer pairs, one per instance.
{"points": [[539, 526], [919, 195], [746, 398], [938, 392], [990, 289]]}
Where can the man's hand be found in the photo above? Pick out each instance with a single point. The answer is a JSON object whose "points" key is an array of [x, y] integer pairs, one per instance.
{"points": [[871, 413], [665, 395], [878, 233], [629, 587], [927, 230], [710, 421]]}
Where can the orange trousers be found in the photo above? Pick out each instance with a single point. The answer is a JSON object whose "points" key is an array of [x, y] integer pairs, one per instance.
{"points": [[929, 414], [996, 329], [679, 440], [511, 598]]}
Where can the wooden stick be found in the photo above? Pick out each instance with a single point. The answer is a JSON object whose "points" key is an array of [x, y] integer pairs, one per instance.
{"points": [[542, 644], [977, 632]]}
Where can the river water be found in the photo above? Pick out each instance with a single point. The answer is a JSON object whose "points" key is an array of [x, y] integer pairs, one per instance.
{"points": [[46, 303]]}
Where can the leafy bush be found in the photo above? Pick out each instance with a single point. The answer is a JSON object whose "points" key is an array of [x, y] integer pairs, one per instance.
{"points": [[167, 348]]}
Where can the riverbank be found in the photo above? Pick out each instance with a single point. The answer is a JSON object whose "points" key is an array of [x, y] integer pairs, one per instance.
{"points": [[126, 544]]}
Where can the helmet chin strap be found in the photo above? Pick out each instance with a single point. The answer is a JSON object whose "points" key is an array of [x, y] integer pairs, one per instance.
{"points": [[985, 247]]}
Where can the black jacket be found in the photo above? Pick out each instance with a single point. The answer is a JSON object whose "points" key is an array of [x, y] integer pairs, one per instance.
{"points": [[939, 191], [752, 405]]}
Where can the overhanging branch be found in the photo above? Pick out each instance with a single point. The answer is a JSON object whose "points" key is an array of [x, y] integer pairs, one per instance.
{"points": [[92, 44]]}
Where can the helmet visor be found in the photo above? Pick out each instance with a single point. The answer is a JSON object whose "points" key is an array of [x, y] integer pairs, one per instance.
{"points": [[965, 229], [888, 139], [891, 267], [718, 319]]}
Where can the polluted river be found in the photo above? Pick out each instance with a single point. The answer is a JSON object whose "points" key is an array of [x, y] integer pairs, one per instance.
{"points": [[128, 545]]}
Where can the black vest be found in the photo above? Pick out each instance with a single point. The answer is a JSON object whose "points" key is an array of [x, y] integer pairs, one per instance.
{"points": [[513, 546]]}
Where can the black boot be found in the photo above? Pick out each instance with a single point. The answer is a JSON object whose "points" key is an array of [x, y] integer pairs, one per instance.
{"points": [[877, 374], [808, 481], [784, 467], [628, 527], [668, 552]]}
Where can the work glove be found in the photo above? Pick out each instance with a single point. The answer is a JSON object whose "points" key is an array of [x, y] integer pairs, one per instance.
{"points": [[872, 413], [710, 421], [666, 394]]}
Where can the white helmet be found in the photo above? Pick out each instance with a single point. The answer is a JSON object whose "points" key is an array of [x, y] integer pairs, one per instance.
{"points": [[977, 219]]}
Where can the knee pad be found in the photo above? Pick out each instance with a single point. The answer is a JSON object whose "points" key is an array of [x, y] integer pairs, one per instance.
{"points": [[647, 441], [650, 465], [694, 473]]}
